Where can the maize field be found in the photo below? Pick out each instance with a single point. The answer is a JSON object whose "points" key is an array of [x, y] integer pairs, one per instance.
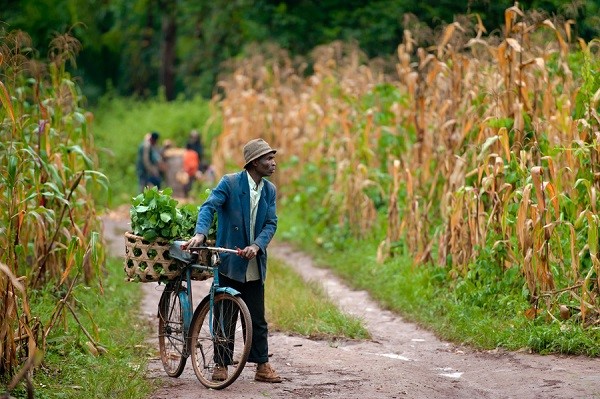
{"points": [[475, 142]]}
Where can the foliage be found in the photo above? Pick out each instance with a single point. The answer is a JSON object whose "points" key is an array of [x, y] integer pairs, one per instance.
{"points": [[182, 45], [563, 338], [498, 197], [471, 153], [95, 24], [131, 119], [50, 230], [156, 214], [483, 313], [72, 366]]}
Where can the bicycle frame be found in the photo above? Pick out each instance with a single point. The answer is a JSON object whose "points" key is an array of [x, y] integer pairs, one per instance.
{"points": [[186, 297], [215, 287], [188, 310], [221, 317]]}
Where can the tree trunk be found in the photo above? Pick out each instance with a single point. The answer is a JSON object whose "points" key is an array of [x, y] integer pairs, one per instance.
{"points": [[168, 56]]}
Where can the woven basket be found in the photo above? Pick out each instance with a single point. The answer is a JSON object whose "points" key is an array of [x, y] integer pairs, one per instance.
{"points": [[149, 261]]}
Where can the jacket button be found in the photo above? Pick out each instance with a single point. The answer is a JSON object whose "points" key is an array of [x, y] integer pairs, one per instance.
{"points": [[236, 228]]}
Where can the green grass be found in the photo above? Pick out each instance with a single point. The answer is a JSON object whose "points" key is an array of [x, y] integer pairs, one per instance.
{"points": [[297, 307], [70, 370], [121, 123], [424, 294]]}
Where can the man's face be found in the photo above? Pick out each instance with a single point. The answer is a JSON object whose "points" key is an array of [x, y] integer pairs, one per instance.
{"points": [[266, 164]]}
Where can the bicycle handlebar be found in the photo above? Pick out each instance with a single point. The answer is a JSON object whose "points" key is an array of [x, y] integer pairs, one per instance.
{"points": [[216, 249]]}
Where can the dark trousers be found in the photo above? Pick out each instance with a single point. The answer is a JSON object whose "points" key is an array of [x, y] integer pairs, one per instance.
{"points": [[253, 293]]}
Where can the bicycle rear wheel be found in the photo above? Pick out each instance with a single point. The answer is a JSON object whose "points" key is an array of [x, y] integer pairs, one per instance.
{"points": [[222, 339], [171, 335]]}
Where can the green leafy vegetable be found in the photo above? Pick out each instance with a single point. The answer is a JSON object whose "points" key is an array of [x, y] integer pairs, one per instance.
{"points": [[156, 214]]}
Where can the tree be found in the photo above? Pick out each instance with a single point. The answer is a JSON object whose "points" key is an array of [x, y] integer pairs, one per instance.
{"points": [[138, 46], [168, 49]]}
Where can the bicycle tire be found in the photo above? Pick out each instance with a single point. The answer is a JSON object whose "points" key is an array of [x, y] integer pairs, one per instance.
{"points": [[171, 335], [208, 350]]}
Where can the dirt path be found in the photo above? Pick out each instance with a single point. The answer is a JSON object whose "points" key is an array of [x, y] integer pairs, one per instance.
{"points": [[401, 361]]}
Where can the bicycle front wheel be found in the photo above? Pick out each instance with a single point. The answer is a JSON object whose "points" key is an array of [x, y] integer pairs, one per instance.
{"points": [[220, 340], [171, 335]]}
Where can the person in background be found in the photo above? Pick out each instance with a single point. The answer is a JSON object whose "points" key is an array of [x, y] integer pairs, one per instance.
{"points": [[148, 162], [167, 145], [206, 173], [195, 143], [245, 204], [191, 164]]}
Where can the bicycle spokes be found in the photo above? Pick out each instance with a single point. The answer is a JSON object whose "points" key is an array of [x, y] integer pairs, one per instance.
{"points": [[221, 344], [223, 330], [171, 335]]}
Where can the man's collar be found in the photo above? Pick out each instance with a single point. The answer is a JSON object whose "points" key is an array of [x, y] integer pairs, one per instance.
{"points": [[252, 184]]}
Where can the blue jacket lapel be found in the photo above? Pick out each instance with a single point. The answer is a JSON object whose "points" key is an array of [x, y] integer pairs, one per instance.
{"points": [[245, 201], [261, 212]]}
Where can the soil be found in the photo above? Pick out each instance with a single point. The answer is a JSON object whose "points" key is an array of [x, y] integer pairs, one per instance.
{"points": [[401, 360]]}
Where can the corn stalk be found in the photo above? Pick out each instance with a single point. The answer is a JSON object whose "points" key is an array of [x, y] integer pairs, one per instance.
{"points": [[476, 142], [48, 222]]}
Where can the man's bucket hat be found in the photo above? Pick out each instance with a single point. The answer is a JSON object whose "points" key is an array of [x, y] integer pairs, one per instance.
{"points": [[255, 149]]}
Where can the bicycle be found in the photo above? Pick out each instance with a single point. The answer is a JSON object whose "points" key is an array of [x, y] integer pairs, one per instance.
{"points": [[217, 333]]}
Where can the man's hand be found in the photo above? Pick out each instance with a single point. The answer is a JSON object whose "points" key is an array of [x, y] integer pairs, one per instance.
{"points": [[249, 252], [195, 241]]}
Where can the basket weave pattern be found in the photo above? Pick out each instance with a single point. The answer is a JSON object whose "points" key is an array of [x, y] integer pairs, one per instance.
{"points": [[149, 261]]}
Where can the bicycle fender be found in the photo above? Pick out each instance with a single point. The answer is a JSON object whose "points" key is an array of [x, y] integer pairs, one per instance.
{"points": [[227, 290]]}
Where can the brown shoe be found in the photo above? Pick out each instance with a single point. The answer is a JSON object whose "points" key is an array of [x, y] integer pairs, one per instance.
{"points": [[219, 373], [265, 373]]}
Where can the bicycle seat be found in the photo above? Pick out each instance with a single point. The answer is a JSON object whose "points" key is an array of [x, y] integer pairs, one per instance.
{"points": [[175, 252]]}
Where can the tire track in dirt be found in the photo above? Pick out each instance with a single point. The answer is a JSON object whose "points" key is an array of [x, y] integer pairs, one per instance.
{"points": [[401, 361]]}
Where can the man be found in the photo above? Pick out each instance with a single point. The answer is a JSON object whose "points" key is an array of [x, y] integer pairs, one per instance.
{"points": [[246, 220], [148, 162]]}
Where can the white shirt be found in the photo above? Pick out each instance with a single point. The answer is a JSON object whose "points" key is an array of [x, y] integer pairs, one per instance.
{"points": [[255, 190]]}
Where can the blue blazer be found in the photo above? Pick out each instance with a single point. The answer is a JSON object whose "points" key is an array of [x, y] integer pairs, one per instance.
{"points": [[230, 200]]}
